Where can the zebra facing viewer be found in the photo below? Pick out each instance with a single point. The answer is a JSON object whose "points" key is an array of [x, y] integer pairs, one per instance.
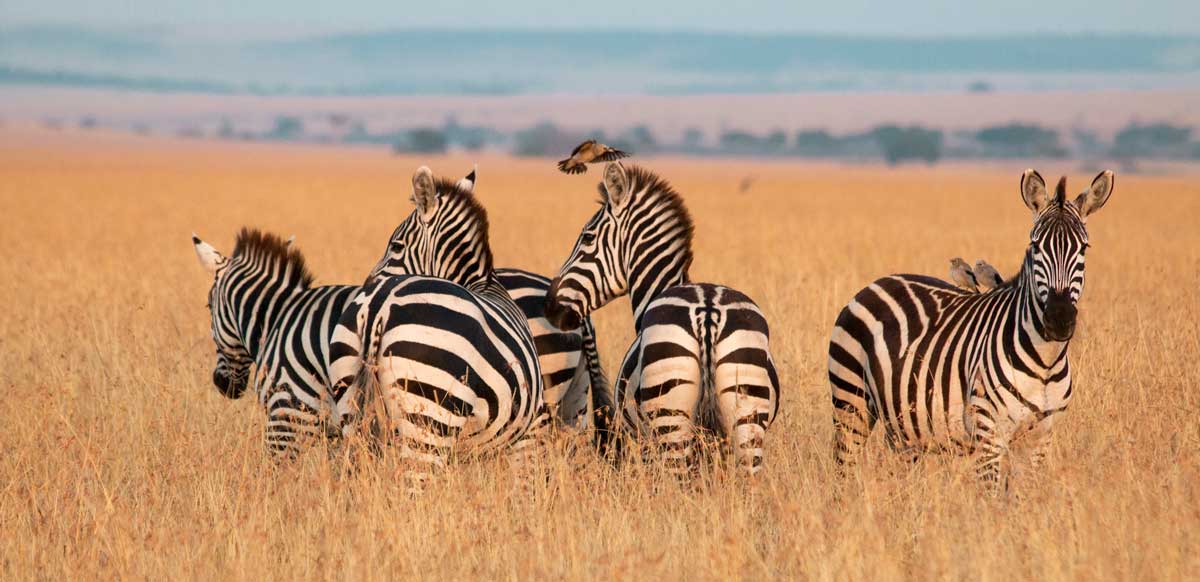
{"points": [[266, 312], [947, 369], [444, 348], [701, 358]]}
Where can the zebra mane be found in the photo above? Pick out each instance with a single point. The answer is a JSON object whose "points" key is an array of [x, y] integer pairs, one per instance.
{"points": [[476, 213], [271, 247], [654, 190]]}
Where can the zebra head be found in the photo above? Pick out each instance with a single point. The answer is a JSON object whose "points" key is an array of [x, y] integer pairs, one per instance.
{"points": [[233, 360], [638, 242], [1057, 245], [445, 236], [245, 287]]}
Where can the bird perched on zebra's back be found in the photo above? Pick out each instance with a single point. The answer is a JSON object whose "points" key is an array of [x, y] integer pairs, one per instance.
{"points": [[962, 275], [986, 275], [589, 152]]}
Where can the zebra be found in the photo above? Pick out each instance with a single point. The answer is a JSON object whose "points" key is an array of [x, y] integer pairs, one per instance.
{"points": [[946, 369], [445, 348], [570, 361], [701, 360], [266, 312]]}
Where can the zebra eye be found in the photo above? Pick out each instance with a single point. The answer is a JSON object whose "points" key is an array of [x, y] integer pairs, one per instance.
{"points": [[588, 238], [396, 247]]}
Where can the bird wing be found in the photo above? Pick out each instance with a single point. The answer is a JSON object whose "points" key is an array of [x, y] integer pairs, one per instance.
{"points": [[567, 167], [581, 147], [611, 155]]}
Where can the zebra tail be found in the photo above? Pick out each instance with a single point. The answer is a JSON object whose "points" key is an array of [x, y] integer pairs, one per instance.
{"points": [[358, 399]]}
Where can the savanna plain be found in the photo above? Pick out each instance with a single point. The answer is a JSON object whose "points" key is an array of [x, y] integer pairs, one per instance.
{"points": [[120, 459]]}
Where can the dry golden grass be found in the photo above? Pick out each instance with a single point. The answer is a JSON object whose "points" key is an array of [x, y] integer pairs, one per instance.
{"points": [[121, 460]]}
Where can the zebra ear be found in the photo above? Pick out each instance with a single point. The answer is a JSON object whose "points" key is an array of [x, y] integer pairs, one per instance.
{"points": [[468, 182], [210, 259], [616, 184], [424, 192], [1033, 191], [1096, 195]]}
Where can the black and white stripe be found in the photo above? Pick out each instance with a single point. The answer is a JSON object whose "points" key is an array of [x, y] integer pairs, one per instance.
{"points": [[701, 360], [445, 348], [946, 369], [265, 312]]}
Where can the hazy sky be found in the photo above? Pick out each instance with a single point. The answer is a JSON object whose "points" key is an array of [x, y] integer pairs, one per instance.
{"points": [[908, 17]]}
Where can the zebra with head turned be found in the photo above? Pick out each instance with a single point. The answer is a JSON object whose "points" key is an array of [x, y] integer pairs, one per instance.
{"points": [[576, 390], [701, 358], [947, 369], [444, 350], [266, 312]]}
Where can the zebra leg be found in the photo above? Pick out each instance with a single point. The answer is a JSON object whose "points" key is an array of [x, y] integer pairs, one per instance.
{"points": [[290, 422], [669, 397], [1040, 443], [853, 410], [526, 454], [993, 432], [423, 430], [853, 422], [603, 404], [746, 399]]}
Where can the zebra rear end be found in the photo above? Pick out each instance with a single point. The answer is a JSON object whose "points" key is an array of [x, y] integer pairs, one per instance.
{"points": [[706, 364]]}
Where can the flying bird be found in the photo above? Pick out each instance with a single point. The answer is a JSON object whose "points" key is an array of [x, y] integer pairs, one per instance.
{"points": [[987, 275], [589, 152], [962, 275]]}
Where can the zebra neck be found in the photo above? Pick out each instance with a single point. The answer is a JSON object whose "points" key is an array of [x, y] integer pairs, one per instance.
{"points": [[264, 312], [656, 275]]}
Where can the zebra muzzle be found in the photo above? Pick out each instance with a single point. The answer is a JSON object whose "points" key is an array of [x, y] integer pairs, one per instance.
{"points": [[1059, 317], [561, 314]]}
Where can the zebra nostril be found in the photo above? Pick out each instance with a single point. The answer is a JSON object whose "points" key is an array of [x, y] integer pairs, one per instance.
{"points": [[228, 384], [561, 315]]}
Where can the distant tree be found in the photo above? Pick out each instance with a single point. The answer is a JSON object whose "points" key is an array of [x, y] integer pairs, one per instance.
{"points": [[1087, 142], [980, 87], [775, 141], [339, 120], [817, 143], [693, 138], [642, 139], [544, 139], [473, 142], [900, 144], [190, 132], [226, 130], [1020, 140], [738, 141], [1153, 140], [88, 122], [423, 140], [287, 128]]}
